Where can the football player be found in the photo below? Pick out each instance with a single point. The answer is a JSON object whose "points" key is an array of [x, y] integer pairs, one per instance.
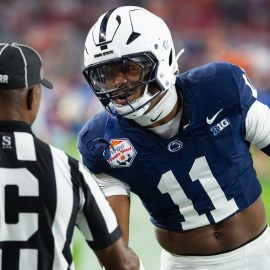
{"points": [[179, 141]]}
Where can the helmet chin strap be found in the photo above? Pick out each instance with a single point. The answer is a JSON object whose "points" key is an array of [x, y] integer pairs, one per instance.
{"points": [[160, 110]]}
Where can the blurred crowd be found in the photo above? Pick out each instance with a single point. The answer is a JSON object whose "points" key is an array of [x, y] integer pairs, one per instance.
{"points": [[208, 30]]}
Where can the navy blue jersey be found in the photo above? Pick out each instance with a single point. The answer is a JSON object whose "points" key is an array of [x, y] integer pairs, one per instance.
{"points": [[203, 174]]}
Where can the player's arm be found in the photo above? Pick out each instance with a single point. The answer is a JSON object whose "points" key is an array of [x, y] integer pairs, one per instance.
{"points": [[121, 207], [117, 192], [118, 196], [258, 126], [256, 114]]}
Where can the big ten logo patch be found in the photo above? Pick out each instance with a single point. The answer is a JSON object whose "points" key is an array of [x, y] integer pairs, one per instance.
{"points": [[122, 153], [220, 126], [6, 142]]}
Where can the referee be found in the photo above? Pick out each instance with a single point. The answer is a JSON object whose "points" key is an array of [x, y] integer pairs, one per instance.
{"points": [[44, 192]]}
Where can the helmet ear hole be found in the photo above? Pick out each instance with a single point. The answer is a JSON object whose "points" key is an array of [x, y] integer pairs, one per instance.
{"points": [[154, 86]]}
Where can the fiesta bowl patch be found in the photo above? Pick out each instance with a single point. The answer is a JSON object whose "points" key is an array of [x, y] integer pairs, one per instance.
{"points": [[122, 153]]}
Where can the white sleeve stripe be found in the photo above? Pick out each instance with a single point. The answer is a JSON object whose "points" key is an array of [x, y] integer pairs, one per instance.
{"points": [[83, 226], [25, 147], [115, 191], [111, 186], [258, 125], [101, 201], [63, 206]]}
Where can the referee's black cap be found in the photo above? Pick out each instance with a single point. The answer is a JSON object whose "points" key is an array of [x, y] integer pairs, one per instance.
{"points": [[20, 66]]}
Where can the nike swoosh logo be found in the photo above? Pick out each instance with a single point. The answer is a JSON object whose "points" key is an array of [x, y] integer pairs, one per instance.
{"points": [[154, 120], [211, 120]]}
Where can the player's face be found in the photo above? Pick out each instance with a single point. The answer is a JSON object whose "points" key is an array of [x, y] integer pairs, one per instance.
{"points": [[122, 80], [125, 76], [122, 73]]}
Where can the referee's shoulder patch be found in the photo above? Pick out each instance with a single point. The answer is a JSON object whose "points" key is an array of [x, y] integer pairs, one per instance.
{"points": [[6, 142]]}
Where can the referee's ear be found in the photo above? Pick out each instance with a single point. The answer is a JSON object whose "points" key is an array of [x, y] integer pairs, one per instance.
{"points": [[32, 103], [29, 98], [32, 97]]}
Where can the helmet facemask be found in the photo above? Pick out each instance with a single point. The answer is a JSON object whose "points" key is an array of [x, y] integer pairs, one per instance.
{"points": [[116, 80]]}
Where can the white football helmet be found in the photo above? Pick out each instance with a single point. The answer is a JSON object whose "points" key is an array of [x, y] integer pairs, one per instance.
{"points": [[129, 39]]}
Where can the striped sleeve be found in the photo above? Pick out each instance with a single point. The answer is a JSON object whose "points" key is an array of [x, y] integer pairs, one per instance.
{"points": [[80, 197], [64, 206], [96, 219]]}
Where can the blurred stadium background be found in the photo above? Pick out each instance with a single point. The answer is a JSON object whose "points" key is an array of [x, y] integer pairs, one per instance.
{"points": [[209, 30]]}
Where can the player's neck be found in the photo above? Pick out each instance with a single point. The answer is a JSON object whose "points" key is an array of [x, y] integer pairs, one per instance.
{"points": [[175, 110], [161, 110]]}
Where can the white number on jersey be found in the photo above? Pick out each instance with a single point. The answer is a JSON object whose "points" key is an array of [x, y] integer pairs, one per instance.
{"points": [[200, 171]]}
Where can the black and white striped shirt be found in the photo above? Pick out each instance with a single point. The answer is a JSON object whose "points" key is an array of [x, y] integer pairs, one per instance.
{"points": [[44, 194]]}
